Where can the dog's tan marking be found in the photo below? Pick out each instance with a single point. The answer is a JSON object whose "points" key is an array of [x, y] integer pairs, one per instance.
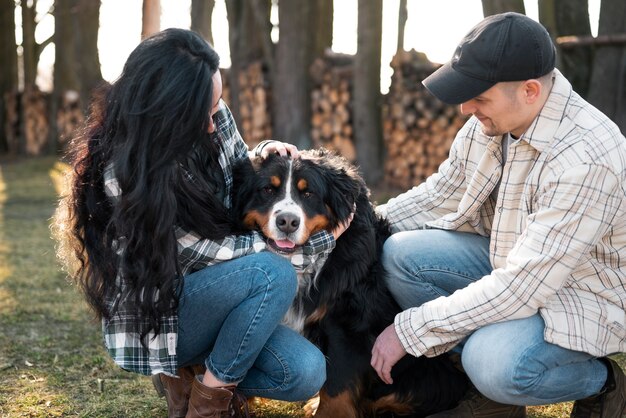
{"points": [[341, 405], [391, 403], [317, 315], [302, 184], [314, 224], [255, 219], [275, 181]]}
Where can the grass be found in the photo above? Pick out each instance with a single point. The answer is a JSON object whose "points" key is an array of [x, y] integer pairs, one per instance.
{"points": [[52, 361]]}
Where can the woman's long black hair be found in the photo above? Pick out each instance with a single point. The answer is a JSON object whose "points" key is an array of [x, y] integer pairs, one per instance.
{"points": [[145, 125]]}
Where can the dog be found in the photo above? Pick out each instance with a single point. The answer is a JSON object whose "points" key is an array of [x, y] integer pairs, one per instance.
{"points": [[342, 305]]}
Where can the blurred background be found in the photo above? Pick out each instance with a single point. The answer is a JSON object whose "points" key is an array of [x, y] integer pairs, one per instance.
{"points": [[343, 74]]}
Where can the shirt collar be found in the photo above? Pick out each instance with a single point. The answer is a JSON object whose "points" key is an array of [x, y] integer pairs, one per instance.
{"points": [[543, 129]]}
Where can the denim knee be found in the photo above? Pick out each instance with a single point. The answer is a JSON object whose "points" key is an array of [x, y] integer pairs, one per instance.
{"points": [[492, 376], [280, 272], [308, 379]]}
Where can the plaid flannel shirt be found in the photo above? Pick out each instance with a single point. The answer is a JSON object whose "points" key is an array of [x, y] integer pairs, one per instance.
{"points": [[557, 230], [121, 335]]}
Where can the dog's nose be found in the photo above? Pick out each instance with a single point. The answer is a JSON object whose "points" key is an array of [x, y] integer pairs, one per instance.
{"points": [[287, 222]]}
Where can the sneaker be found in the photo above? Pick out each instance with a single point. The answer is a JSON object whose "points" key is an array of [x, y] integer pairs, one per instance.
{"points": [[475, 405], [610, 402]]}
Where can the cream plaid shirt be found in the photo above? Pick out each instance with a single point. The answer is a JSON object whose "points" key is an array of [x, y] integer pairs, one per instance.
{"points": [[557, 231]]}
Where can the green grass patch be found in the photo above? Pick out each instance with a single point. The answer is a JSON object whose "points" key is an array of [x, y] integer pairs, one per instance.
{"points": [[52, 360]]}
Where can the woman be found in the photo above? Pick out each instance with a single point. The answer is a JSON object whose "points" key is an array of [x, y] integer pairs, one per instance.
{"points": [[148, 213]]}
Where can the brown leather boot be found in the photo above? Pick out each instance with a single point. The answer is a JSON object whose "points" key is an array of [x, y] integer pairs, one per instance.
{"points": [[475, 405], [208, 402], [176, 389]]}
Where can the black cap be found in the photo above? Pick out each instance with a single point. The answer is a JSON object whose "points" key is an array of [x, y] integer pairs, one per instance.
{"points": [[503, 47]]}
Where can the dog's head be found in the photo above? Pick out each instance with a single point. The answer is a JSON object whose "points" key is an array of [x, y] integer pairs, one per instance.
{"points": [[289, 200]]}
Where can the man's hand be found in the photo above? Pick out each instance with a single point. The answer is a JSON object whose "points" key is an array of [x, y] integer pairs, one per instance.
{"points": [[387, 351], [281, 148]]}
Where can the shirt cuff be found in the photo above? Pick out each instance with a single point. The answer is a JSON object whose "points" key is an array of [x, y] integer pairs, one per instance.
{"points": [[408, 337]]}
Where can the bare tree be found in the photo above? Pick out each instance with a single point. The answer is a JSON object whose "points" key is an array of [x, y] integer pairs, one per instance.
{"points": [[367, 98], [31, 50], [201, 13], [492, 7], [76, 63], [607, 90], [151, 18], [402, 18], [8, 64], [249, 40], [292, 85], [87, 17], [323, 16]]}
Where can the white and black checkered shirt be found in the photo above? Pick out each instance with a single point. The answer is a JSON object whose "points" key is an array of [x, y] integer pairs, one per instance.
{"points": [[557, 230], [195, 253]]}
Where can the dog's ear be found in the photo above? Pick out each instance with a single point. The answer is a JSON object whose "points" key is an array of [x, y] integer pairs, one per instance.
{"points": [[343, 182], [243, 179]]}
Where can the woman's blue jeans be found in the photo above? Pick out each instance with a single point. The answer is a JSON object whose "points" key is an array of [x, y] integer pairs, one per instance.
{"points": [[508, 362], [229, 319]]}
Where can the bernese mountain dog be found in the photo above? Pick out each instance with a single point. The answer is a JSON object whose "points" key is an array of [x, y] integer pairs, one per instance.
{"points": [[342, 305]]}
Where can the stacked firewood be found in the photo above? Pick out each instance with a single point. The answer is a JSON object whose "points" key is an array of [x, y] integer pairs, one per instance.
{"points": [[35, 117], [418, 128], [12, 122], [70, 116], [255, 122], [331, 107]]}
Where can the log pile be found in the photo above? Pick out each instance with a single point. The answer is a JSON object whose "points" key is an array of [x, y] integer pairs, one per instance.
{"points": [[418, 128], [255, 122], [70, 116], [331, 106], [12, 121], [35, 117]]}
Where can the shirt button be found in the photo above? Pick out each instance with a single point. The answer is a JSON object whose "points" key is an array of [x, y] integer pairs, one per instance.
{"points": [[500, 209]]}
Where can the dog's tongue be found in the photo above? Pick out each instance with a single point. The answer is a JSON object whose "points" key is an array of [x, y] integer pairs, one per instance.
{"points": [[284, 243]]}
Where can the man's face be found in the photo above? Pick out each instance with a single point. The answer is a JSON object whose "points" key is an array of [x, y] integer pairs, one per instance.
{"points": [[500, 109]]}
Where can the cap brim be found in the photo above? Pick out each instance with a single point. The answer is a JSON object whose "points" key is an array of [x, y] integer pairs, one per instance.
{"points": [[453, 87]]}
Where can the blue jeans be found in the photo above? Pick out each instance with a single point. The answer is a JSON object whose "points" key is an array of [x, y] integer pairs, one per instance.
{"points": [[229, 319], [508, 362]]}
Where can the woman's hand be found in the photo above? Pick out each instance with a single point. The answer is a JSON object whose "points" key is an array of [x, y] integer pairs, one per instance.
{"points": [[387, 351], [281, 148]]}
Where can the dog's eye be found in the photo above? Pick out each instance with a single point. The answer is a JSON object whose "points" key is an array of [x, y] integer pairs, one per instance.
{"points": [[307, 195], [268, 190]]}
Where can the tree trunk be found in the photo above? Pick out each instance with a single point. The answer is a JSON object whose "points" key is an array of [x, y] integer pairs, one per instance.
{"points": [[402, 18], [66, 76], [572, 18], [247, 39], [29, 46], [607, 90], [201, 13], [292, 86], [8, 66], [323, 25], [151, 18], [87, 24], [492, 7], [367, 98]]}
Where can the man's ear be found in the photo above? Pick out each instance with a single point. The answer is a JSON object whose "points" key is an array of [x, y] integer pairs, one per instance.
{"points": [[531, 90]]}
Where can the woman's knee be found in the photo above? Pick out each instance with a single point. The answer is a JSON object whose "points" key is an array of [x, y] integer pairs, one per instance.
{"points": [[279, 273], [309, 375]]}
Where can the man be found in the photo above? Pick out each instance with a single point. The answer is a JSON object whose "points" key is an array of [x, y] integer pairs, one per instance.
{"points": [[516, 247]]}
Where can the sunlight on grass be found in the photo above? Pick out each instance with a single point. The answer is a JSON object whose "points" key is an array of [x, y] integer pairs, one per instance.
{"points": [[7, 302], [60, 180]]}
